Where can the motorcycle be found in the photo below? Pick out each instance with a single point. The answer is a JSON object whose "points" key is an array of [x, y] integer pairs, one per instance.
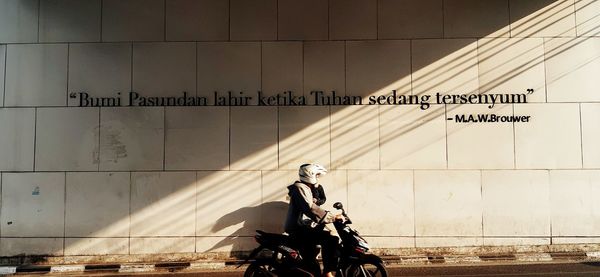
{"points": [[284, 260]]}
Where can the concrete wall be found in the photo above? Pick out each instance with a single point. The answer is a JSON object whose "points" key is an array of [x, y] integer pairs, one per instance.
{"points": [[136, 180]]}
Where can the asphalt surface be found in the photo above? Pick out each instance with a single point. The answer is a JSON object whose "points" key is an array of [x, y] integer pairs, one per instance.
{"points": [[545, 269]]}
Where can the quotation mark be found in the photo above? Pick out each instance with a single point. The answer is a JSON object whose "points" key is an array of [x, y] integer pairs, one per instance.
{"points": [[529, 91], [73, 95]]}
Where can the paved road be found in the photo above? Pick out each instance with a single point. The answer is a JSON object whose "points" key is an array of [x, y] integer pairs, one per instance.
{"points": [[500, 270]]}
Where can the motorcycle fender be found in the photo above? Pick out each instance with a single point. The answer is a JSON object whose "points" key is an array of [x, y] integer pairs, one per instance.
{"points": [[251, 256], [371, 258]]}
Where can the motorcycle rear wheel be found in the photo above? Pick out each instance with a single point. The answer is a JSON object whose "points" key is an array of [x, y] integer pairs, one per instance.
{"points": [[260, 268], [370, 268]]}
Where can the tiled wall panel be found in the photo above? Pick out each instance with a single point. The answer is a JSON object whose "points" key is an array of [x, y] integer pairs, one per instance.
{"points": [[192, 20], [36, 75], [70, 21], [480, 146], [399, 19], [448, 203], [356, 19], [587, 16], [569, 64], [132, 138], [2, 70], [254, 144], [31, 246], [282, 68], [123, 20], [150, 61], [17, 139], [163, 204], [302, 20], [253, 20], [542, 18], [100, 70], [375, 192], [324, 69], [304, 136], [147, 180], [33, 204], [473, 18], [512, 66], [574, 209], [97, 204], [541, 143], [364, 56], [516, 203], [197, 138], [590, 120], [355, 137], [229, 66], [19, 21], [412, 138], [67, 139]]}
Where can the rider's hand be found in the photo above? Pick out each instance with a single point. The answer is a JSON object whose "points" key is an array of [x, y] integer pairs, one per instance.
{"points": [[339, 217]]}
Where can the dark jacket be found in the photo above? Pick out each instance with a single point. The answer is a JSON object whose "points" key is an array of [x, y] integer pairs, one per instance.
{"points": [[303, 211], [318, 195]]}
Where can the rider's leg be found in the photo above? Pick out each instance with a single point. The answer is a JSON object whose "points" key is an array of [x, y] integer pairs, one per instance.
{"points": [[329, 246], [306, 243], [311, 252]]}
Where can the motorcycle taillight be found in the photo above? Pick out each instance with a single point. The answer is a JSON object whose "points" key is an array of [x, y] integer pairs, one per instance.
{"points": [[360, 250]]}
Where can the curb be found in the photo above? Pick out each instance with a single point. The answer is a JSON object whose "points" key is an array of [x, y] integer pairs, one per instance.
{"points": [[232, 264]]}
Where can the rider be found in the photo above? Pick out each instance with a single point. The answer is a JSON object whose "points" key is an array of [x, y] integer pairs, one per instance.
{"points": [[305, 219]]}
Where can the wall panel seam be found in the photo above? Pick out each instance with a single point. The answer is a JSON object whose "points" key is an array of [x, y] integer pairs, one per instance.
{"points": [[549, 205], [196, 213], [446, 137], [131, 68], [575, 18], [164, 160], [482, 203], [5, 68], [101, 14], [509, 21], [514, 131], [99, 136], [545, 71], [196, 70], [414, 208], [68, 63], [329, 19], [229, 137], [379, 136], [129, 214], [65, 215], [39, 6], [581, 136], [1, 202], [443, 19], [330, 130], [35, 119]]}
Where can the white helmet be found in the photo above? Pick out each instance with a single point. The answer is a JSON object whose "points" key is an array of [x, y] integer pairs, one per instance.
{"points": [[309, 173]]}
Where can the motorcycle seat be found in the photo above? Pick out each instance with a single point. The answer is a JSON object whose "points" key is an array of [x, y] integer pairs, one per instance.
{"points": [[273, 237]]}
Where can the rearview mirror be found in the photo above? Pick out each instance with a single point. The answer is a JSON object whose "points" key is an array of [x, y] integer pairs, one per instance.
{"points": [[338, 205]]}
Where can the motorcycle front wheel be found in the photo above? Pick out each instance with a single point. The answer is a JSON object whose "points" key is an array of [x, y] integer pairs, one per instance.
{"points": [[367, 268], [260, 268]]}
